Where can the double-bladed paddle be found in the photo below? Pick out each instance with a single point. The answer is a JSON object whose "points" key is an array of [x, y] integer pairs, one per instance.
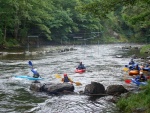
{"points": [[125, 69], [128, 81], [77, 83], [30, 63]]}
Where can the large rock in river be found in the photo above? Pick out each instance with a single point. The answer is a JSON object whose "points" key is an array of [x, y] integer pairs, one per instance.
{"points": [[94, 88], [115, 90], [52, 88]]}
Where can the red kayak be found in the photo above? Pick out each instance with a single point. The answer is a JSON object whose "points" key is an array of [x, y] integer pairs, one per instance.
{"points": [[80, 70]]}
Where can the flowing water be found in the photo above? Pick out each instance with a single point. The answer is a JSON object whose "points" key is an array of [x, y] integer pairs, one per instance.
{"points": [[102, 66]]}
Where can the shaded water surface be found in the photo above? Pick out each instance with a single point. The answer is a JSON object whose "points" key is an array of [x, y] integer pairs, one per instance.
{"points": [[102, 66]]}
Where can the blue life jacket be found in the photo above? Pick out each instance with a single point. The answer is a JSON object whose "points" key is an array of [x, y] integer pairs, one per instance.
{"points": [[81, 66], [34, 72], [134, 67], [66, 79], [140, 79], [131, 62]]}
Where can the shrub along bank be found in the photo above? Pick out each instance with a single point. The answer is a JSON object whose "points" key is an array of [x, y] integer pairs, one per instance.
{"points": [[136, 102]]}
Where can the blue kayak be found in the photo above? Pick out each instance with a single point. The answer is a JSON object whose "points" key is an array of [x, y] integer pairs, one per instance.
{"points": [[146, 69], [28, 77], [138, 83]]}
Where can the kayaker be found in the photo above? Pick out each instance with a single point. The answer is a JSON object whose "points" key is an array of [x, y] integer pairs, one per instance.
{"points": [[35, 73], [80, 66], [131, 64], [141, 77], [66, 78], [148, 64], [136, 67]]}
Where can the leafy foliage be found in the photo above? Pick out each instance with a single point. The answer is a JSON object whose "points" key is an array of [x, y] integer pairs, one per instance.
{"points": [[53, 19], [59, 20], [136, 100], [132, 15]]}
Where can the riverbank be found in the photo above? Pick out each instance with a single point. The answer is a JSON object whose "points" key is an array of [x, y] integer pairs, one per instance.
{"points": [[138, 101]]}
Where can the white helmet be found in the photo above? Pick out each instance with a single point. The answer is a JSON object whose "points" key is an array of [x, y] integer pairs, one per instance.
{"points": [[35, 69], [141, 72]]}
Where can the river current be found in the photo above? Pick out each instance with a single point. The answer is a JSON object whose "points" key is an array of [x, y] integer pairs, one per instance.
{"points": [[102, 66]]}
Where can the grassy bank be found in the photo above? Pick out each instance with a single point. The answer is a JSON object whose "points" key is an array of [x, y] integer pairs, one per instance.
{"points": [[137, 102], [145, 49]]}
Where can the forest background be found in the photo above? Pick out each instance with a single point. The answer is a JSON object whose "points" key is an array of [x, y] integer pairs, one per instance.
{"points": [[73, 21]]}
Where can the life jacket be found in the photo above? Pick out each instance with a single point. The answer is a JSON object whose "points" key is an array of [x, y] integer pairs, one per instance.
{"points": [[35, 73], [66, 79], [140, 78], [81, 66], [131, 62]]}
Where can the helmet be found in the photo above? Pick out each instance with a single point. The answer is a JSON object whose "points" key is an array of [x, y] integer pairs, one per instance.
{"points": [[141, 72], [35, 69], [65, 74]]}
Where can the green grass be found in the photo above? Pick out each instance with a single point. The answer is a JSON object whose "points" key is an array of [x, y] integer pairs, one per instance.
{"points": [[145, 48], [137, 100]]}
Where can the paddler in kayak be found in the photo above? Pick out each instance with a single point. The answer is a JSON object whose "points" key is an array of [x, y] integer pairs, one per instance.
{"points": [[35, 73], [131, 62], [66, 78], [140, 77], [81, 66]]}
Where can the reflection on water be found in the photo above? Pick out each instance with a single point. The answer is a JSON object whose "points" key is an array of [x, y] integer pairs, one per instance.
{"points": [[100, 61]]}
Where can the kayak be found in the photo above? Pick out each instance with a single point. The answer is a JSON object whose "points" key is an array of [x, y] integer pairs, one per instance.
{"points": [[138, 83], [133, 72], [28, 77], [146, 69], [80, 70]]}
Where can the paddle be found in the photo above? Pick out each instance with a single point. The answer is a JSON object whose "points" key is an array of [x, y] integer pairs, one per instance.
{"points": [[77, 83], [30, 63], [125, 69], [128, 81]]}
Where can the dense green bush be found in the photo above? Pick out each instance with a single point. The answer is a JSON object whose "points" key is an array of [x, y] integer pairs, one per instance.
{"points": [[140, 100], [11, 43], [145, 48]]}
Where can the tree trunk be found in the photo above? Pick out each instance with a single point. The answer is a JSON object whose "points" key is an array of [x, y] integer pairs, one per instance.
{"points": [[16, 30], [5, 31]]}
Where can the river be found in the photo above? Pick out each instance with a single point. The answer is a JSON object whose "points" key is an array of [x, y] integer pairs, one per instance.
{"points": [[102, 66]]}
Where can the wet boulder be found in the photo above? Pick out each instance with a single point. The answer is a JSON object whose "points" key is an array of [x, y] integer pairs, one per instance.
{"points": [[115, 90], [52, 88], [94, 88], [35, 86], [126, 47], [119, 56]]}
